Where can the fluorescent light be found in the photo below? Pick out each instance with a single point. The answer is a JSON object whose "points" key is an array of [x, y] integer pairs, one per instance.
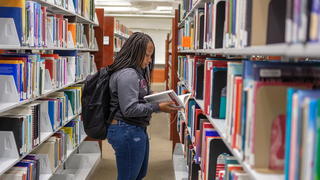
{"points": [[113, 3], [157, 12], [120, 9], [164, 8], [140, 15]]}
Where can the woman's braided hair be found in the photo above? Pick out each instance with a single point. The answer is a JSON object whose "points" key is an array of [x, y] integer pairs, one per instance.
{"points": [[132, 53]]}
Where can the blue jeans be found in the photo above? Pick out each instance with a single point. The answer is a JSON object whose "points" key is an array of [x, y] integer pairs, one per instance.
{"points": [[131, 146]]}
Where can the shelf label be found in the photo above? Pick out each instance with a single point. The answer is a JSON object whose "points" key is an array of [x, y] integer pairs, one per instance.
{"points": [[106, 40]]}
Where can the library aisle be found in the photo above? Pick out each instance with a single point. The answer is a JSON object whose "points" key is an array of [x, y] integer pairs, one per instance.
{"points": [[160, 151]]}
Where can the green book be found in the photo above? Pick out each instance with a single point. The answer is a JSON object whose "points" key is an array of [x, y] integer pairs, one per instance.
{"points": [[72, 97]]}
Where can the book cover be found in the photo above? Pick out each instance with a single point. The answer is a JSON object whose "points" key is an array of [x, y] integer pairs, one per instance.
{"points": [[259, 21], [15, 10], [296, 130], [234, 69], [276, 21], [270, 102], [219, 16], [199, 83], [309, 133], [219, 81], [209, 64], [14, 70], [14, 124]]}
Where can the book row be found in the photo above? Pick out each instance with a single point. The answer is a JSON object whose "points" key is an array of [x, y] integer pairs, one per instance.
{"points": [[206, 78], [31, 122], [33, 74], [236, 24], [81, 7], [206, 154], [270, 109], [259, 110], [36, 27], [121, 29], [49, 155], [118, 43]]}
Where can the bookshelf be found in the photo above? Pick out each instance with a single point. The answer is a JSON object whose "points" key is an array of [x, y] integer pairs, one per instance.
{"points": [[172, 69], [180, 171], [3, 47], [197, 4], [6, 166], [55, 9], [167, 63], [108, 31], [261, 43], [295, 50], [10, 159], [8, 106], [121, 34]]}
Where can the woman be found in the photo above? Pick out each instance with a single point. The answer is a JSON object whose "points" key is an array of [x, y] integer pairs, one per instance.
{"points": [[129, 83]]}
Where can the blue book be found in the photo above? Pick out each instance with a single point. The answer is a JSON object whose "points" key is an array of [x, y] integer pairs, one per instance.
{"points": [[75, 2], [191, 103], [212, 132], [16, 14], [290, 93], [26, 69], [67, 105], [302, 94], [311, 135], [52, 112], [223, 104], [14, 70]]}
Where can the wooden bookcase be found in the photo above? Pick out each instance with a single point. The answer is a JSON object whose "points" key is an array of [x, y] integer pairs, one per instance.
{"points": [[171, 66], [9, 152], [104, 33]]}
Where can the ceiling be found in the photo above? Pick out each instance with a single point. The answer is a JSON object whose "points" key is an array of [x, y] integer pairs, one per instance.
{"points": [[138, 8]]}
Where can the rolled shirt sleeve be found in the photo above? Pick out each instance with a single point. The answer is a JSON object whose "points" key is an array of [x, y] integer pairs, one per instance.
{"points": [[128, 95]]}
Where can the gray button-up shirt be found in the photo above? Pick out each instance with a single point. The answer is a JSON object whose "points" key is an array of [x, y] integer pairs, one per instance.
{"points": [[128, 87]]}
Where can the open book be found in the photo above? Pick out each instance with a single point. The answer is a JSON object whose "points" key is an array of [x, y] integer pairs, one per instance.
{"points": [[170, 95]]}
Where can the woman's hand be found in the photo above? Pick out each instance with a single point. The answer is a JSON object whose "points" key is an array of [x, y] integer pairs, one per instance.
{"points": [[167, 107]]}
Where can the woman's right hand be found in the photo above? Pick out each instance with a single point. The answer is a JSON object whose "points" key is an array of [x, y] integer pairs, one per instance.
{"points": [[168, 107]]}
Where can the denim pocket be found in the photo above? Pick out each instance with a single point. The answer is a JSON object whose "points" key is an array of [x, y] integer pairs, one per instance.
{"points": [[111, 131]]}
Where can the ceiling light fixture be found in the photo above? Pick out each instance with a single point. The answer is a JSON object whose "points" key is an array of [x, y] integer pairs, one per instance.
{"points": [[120, 9], [164, 8], [113, 3]]}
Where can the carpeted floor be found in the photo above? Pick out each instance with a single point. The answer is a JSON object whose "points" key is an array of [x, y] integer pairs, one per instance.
{"points": [[160, 163]]}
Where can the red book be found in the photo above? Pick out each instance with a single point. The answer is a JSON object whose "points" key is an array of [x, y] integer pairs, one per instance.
{"points": [[60, 29], [50, 64], [197, 119], [237, 107], [65, 29], [209, 64], [44, 26]]}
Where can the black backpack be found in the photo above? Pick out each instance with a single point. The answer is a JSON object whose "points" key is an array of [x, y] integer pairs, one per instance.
{"points": [[95, 101]]}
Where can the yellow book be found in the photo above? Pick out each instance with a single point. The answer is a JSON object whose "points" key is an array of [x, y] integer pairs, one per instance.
{"points": [[192, 38], [11, 62], [69, 131]]}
